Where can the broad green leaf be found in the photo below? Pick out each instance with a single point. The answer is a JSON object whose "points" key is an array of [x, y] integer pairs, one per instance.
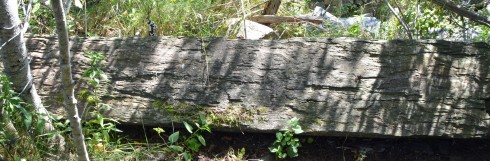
{"points": [[284, 142], [40, 125], [201, 139], [279, 136], [292, 151], [203, 119], [187, 157], [176, 148], [27, 118], [293, 121], [297, 129], [104, 106], [193, 144], [282, 155], [188, 127], [100, 120], [275, 148], [173, 137]]}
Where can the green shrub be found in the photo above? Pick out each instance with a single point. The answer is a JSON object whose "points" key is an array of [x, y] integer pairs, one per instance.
{"points": [[286, 145]]}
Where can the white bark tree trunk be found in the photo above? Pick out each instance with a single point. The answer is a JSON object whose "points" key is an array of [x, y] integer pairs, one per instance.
{"points": [[15, 59], [8, 28], [67, 81], [16, 66]]}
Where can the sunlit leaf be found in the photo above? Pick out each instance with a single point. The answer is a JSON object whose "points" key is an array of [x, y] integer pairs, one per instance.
{"points": [[279, 136], [158, 130], [173, 137], [188, 127], [201, 139]]}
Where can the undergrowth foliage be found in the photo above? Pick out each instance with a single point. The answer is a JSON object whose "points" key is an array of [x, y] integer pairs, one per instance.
{"points": [[99, 130], [286, 144], [29, 140], [190, 144], [210, 18]]}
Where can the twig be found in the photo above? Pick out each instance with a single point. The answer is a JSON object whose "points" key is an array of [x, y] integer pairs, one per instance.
{"points": [[257, 5], [343, 150], [244, 21], [206, 65], [85, 18], [417, 14], [399, 19], [219, 5]]}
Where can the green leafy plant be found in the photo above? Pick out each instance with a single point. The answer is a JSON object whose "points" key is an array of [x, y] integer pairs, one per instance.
{"points": [[190, 144], [22, 134], [98, 130], [286, 145], [95, 78]]}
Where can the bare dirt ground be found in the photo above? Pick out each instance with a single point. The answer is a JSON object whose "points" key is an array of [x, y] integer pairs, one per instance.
{"points": [[325, 148]]}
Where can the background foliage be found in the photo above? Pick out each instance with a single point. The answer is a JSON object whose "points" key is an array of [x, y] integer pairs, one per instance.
{"points": [[121, 18]]}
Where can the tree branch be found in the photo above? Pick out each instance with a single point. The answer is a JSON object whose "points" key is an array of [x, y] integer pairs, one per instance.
{"points": [[409, 33], [462, 12]]}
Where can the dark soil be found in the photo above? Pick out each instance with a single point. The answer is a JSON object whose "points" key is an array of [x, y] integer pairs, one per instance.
{"points": [[325, 148]]}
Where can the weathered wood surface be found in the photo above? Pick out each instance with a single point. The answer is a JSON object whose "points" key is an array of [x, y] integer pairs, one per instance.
{"points": [[336, 86], [272, 19]]}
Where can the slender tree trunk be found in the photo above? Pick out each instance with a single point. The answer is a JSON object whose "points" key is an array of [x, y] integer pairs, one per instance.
{"points": [[67, 81], [272, 7]]}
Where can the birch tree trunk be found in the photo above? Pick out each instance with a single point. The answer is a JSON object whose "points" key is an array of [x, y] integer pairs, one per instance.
{"points": [[8, 28], [15, 59], [16, 66], [67, 81]]}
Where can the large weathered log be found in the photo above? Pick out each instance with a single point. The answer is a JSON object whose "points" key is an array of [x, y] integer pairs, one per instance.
{"points": [[337, 86]]}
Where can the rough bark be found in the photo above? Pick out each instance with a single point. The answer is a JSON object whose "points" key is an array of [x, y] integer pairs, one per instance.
{"points": [[67, 81], [16, 66], [15, 58], [372, 88], [8, 28], [272, 7], [462, 12]]}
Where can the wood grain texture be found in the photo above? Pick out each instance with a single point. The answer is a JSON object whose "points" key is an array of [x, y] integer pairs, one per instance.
{"points": [[370, 88]]}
